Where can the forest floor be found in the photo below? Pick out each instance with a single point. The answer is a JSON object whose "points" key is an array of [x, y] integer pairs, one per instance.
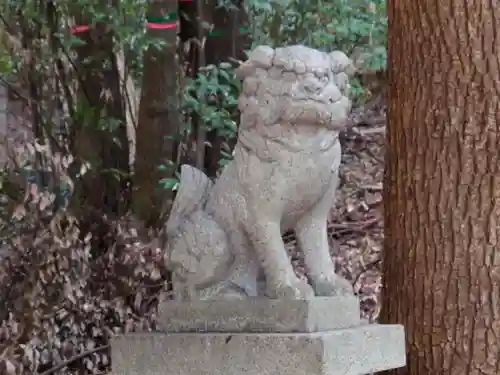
{"points": [[356, 221]]}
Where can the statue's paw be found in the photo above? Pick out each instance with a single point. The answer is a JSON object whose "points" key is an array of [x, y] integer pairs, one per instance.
{"points": [[296, 289], [333, 286]]}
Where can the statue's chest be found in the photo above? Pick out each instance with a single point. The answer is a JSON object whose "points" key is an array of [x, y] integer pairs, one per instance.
{"points": [[309, 174], [305, 190]]}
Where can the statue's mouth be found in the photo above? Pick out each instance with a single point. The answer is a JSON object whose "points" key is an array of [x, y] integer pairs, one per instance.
{"points": [[323, 97], [310, 100], [322, 101], [314, 110]]}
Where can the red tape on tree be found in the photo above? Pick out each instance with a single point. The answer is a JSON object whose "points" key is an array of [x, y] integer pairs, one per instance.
{"points": [[159, 23], [156, 23]]}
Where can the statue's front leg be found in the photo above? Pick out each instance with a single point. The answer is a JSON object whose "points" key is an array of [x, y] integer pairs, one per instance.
{"points": [[312, 236], [281, 281]]}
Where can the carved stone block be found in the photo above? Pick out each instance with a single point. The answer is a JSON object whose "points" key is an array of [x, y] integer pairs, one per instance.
{"points": [[260, 315], [350, 349]]}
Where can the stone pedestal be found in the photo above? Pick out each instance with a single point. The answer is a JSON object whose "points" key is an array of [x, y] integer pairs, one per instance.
{"points": [[322, 336]]}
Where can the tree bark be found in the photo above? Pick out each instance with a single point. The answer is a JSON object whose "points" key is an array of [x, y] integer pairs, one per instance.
{"points": [[159, 120], [105, 185], [442, 185]]}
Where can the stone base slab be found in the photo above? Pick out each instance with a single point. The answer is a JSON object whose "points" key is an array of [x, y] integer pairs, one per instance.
{"points": [[355, 351], [260, 315]]}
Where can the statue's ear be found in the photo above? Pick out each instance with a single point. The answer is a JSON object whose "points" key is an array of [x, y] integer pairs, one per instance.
{"points": [[191, 195], [246, 69], [260, 57]]}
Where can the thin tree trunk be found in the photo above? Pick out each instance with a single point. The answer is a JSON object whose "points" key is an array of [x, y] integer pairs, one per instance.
{"points": [[442, 186], [105, 186], [158, 121]]}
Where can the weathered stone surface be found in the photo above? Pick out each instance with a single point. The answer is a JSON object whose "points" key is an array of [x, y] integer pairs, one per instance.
{"points": [[355, 351], [223, 236], [260, 315]]}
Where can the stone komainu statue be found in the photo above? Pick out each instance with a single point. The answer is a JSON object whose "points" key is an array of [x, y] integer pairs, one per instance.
{"points": [[224, 238]]}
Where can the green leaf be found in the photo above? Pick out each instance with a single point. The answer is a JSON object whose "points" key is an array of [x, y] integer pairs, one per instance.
{"points": [[169, 183]]}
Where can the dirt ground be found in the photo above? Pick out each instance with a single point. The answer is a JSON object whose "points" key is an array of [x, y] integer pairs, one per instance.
{"points": [[356, 222]]}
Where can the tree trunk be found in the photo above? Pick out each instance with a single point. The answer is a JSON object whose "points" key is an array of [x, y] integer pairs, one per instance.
{"points": [[158, 121], [105, 186], [442, 185]]}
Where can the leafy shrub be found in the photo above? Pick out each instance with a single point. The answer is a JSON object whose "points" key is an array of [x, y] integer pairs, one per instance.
{"points": [[68, 284], [211, 98]]}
